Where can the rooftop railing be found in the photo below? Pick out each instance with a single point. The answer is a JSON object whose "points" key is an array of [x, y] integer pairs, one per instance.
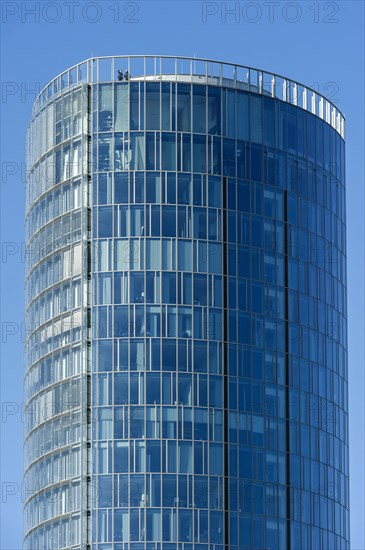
{"points": [[148, 67]]}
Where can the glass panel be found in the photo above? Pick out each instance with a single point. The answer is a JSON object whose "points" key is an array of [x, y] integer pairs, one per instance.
{"points": [[242, 116], [199, 154], [183, 107], [105, 108], [121, 107], [137, 152], [199, 109], [269, 121], [256, 118], [152, 105], [214, 110], [168, 151]]}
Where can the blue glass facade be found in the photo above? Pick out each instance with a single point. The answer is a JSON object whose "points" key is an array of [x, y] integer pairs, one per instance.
{"points": [[209, 404]]}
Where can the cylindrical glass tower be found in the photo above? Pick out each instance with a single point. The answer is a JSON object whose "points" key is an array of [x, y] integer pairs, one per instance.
{"points": [[186, 363]]}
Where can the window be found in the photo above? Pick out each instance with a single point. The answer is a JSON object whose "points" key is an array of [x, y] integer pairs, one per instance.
{"points": [[199, 109], [214, 110], [137, 152], [242, 116], [121, 107], [256, 118], [183, 107], [199, 154], [152, 105], [168, 151], [269, 122]]}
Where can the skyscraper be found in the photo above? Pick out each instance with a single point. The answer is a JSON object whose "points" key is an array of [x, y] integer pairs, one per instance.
{"points": [[186, 363]]}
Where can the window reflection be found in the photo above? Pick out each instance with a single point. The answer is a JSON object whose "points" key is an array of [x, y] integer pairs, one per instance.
{"points": [[158, 324]]}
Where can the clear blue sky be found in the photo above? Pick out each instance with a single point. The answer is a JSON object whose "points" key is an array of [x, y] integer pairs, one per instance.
{"points": [[315, 42]]}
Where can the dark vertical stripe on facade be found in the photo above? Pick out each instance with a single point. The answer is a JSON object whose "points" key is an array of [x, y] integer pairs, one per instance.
{"points": [[225, 363], [287, 393], [87, 343]]}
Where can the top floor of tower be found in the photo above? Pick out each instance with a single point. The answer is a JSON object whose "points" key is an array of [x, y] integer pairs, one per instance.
{"points": [[196, 71]]}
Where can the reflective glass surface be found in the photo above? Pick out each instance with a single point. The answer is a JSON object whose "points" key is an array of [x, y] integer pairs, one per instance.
{"points": [[218, 229], [201, 272], [55, 323]]}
